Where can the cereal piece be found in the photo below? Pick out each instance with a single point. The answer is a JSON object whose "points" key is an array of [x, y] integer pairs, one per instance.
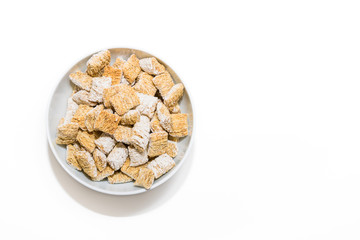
{"points": [[151, 66], [109, 110], [105, 143], [155, 124], [140, 137], [125, 99], [145, 84], [123, 134], [174, 139], [70, 158], [131, 68], [164, 83], [70, 111], [174, 95], [67, 133], [119, 177], [108, 93], [86, 140], [80, 115], [100, 159], [118, 156], [130, 118], [97, 62], [158, 143], [81, 80], [113, 73], [137, 158], [97, 88], [163, 114], [108, 171], [82, 98], [132, 172], [145, 178], [179, 125], [175, 109], [171, 149], [161, 165], [91, 117], [86, 162], [106, 122], [119, 63], [147, 105]]}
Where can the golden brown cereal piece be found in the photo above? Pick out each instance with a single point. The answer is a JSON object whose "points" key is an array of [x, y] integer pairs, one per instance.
{"points": [[118, 156], [125, 99], [106, 122], [86, 162], [147, 105], [67, 133], [109, 92], [145, 84], [130, 118], [100, 159], [131, 68], [105, 143], [70, 110], [97, 62], [82, 98], [175, 109], [119, 177], [87, 140], [140, 137], [163, 114], [174, 95], [137, 158], [91, 117], [174, 139], [161, 165], [81, 80], [157, 144], [151, 66], [80, 114], [70, 158], [132, 172], [108, 171], [164, 83], [179, 125], [171, 149], [155, 124], [97, 88], [123, 134], [119, 63], [145, 178], [113, 73]]}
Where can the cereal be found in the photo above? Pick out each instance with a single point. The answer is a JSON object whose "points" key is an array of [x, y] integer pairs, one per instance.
{"points": [[164, 83], [70, 158], [145, 178], [125, 99], [145, 84], [67, 133], [106, 122], [147, 104], [161, 165], [80, 114], [179, 125], [81, 80], [137, 158], [97, 88], [118, 156], [171, 149], [113, 73], [86, 162], [100, 159], [131, 68], [163, 114], [109, 92], [175, 109], [97, 62], [82, 97], [140, 137], [158, 143], [123, 134], [87, 140], [119, 63], [132, 172], [130, 118], [105, 143], [151, 66], [101, 175], [119, 177], [91, 117], [70, 110], [155, 124], [174, 95]]}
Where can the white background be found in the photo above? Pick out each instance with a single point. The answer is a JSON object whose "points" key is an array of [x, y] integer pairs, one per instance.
{"points": [[276, 93]]}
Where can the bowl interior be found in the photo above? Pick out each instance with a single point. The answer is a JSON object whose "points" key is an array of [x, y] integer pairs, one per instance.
{"points": [[57, 109]]}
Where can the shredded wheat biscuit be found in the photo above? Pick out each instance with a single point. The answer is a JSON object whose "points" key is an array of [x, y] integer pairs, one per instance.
{"points": [[179, 125], [119, 177], [70, 110], [119, 63], [70, 158], [87, 140], [151, 66], [113, 73], [132, 172], [145, 178], [125, 99], [117, 156], [86, 162], [155, 124], [131, 68], [97, 62], [130, 118], [174, 95], [101, 175], [163, 114], [147, 105], [123, 134], [82, 97], [100, 159], [105, 143], [171, 149], [157, 143], [161, 165], [67, 133], [97, 88], [91, 117], [175, 109], [106, 122], [81, 80], [164, 83], [80, 114], [137, 158], [108, 93], [145, 84], [140, 137]]}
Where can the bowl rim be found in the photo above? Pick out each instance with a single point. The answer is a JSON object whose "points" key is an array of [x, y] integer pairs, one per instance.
{"points": [[164, 179]]}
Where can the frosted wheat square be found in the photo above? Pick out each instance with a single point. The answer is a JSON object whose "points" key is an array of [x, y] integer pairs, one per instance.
{"points": [[132, 172], [125, 99], [87, 140], [100, 159], [164, 116], [109, 92], [81, 80], [67, 133], [171, 149], [155, 124], [119, 177], [82, 98], [130, 118], [86, 162], [106, 122], [131, 68], [91, 116], [140, 137], [179, 125], [145, 84], [70, 157], [137, 158], [161, 165], [105, 143], [97, 62], [113, 73], [101, 175], [123, 134], [117, 156], [164, 83], [157, 144], [119, 63], [174, 95], [151, 66], [97, 88], [80, 115], [145, 178], [147, 105]]}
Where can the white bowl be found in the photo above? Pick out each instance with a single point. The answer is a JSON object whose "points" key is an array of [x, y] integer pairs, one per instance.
{"points": [[57, 108]]}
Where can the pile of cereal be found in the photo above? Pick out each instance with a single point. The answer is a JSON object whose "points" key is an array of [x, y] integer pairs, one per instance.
{"points": [[123, 121]]}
